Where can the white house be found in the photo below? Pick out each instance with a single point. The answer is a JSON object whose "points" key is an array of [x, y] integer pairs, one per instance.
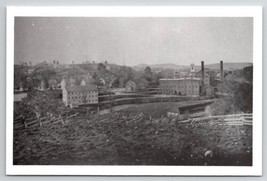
{"points": [[78, 95]]}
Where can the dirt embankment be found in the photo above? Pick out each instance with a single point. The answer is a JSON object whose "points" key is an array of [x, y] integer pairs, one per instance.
{"points": [[123, 139]]}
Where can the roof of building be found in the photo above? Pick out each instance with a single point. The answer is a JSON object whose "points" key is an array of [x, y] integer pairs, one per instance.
{"points": [[79, 88]]}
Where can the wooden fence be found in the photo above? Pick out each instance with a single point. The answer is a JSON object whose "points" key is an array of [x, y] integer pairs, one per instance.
{"points": [[29, 122], [232, 119]]}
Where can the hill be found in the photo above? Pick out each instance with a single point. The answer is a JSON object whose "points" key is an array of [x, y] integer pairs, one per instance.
{"points": [[160, 66], [226, 66]]}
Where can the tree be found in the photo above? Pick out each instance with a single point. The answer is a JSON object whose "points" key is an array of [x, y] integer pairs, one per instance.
{"points": [[101, 68], [141, 83], [94, 75], [156, 77], [24, 83], [125, 74], [238, 91], [20, 74], [38, 104], [148, 74]]}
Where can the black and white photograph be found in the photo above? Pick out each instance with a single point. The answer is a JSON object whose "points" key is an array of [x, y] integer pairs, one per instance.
{"points": [[135, 91]]}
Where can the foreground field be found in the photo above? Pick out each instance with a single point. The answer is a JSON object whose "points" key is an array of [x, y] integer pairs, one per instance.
{"points": [[133, 139]]}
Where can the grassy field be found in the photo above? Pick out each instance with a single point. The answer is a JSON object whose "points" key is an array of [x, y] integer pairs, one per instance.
{"points": [[122, 140]]}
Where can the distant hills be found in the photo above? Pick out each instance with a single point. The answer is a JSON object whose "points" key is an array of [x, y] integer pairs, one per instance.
{"points": [[169, 66], [229, 66], [161, 66], [226, 66]]}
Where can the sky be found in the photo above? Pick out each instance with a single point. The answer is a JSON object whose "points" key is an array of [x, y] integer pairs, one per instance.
{"points": [[132, 41]]}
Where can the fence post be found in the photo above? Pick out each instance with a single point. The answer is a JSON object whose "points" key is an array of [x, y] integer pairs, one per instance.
{"points": [[97, 114], [25, 124]]}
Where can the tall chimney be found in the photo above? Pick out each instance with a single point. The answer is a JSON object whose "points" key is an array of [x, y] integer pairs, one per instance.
{"points": [[202, 73], [221, 73], [202, 92]]}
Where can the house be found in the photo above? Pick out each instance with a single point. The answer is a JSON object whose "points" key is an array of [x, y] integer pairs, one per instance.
{"points": [[78, 95], [136, 85], [130, 86]]}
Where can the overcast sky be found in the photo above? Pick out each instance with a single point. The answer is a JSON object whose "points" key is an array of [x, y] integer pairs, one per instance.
{"points": [[133, 41]]}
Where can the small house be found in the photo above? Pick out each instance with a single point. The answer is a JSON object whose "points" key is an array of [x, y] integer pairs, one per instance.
{"points": [[130, 86]]}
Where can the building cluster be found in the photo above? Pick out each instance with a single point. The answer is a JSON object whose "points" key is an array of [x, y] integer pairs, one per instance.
{"points": [[51, 84], [136, 85], [192, 82], [74, 94]]}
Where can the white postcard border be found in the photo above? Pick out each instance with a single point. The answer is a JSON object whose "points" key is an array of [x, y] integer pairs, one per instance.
{"points": [[138, 11]]}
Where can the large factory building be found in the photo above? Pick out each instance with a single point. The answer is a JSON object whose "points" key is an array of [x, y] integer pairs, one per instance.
{"points": [[180, 86], [193, 83]]}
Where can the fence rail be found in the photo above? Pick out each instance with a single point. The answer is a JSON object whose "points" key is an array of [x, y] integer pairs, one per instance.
{"points": [[232, 119], [42, 121]]}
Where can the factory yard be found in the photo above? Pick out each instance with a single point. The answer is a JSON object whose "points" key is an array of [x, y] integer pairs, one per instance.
{"points": [[137, 135]]}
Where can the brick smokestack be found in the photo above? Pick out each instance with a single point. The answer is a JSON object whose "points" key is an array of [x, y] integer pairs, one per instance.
{"points": [[221, 73], [202, 73]]}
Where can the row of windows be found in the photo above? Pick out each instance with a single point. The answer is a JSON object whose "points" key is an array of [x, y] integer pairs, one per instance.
{"points": [[181, 83], [187, 90], [86, 92], [75, 97], [81, 102], [188, 86]]}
